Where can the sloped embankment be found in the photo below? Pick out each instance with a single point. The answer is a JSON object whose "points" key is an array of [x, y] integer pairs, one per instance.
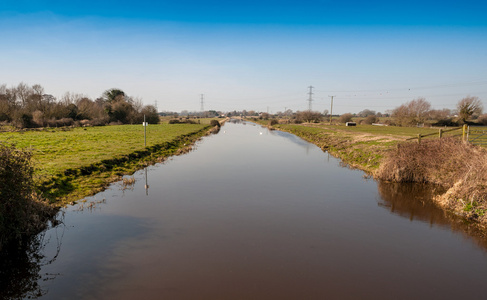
{"points": [[458, 167], [357, 150]]}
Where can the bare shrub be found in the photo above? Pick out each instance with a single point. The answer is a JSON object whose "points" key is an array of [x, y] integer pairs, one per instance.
{"points": [[273, 122], [84, 122], [345, 118], [23, 120], [150, 113], [99, 121], [65, 122], [38, 118], [308, 116], [22, 213], [459, 167], [370, 119], [215, 123], [431, 161]]}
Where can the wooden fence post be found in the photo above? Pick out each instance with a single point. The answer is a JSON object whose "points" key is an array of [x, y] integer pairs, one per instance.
{"points": [[464, 132], [419, 138], [440, 133]]}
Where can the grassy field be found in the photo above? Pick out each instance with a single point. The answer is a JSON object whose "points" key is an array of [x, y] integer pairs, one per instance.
{"points": [[58, 150], [74, 162]]}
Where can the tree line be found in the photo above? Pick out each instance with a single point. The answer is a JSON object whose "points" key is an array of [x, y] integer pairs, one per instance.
{"points": [[418, 111], [25, 106]]}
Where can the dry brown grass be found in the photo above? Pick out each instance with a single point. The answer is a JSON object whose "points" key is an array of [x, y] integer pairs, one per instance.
{"points": [[458, 167], [128, 181]]}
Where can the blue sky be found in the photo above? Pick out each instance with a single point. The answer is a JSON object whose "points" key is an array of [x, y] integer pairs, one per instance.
{"points": [[253, 55]]}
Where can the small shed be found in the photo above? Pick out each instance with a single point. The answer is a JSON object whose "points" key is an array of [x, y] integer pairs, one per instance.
{"points": [[351, 124]]}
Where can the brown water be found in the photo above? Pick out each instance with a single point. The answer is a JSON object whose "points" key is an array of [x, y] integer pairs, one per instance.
{"points": [[255, 214]]}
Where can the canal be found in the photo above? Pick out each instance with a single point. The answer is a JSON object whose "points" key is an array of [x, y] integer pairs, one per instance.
{"points": [[256, 214]]}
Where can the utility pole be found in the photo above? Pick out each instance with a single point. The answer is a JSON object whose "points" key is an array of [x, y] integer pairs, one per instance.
{"points": [[331, 108], [310, 99], [155, 104], [202, 98]]}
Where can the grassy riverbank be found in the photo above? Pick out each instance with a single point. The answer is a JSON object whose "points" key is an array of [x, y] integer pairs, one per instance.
{"points": [[357, 147], [72, 163], [460, 169]]}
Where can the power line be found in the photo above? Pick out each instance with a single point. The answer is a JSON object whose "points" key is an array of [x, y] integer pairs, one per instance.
{"points": [[459, 84]]}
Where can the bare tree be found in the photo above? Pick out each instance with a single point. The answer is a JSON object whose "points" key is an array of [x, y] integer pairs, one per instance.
{"points": [[366, 112], [71, 98], [137, 104], [468, 107], [419, 108], [23, 91], [38, 89], [413, 112], [308, 116]]}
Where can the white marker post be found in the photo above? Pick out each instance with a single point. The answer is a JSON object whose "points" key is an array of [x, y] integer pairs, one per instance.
{"points": [[145, 132]]}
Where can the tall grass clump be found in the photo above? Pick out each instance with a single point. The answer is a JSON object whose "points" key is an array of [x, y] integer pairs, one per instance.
{"points": [[22, 212], [458, 167]]}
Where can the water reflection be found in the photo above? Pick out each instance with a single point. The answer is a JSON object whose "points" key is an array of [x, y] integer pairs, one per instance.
{"points": [[146, 186], [20, 267], [414, 201]]}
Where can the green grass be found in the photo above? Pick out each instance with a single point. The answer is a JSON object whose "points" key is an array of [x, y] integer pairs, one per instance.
{"points": [[57, 150], [72, 163]]}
